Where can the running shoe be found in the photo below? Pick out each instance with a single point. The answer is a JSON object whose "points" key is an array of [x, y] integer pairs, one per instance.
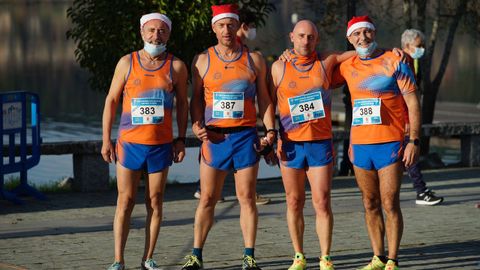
{"points": [[249, 263], [259, 200], [326, 263], [150, 264], [193, 263], [375, 264], [391, 265], [299, 262], [428, 198], [117, 266]]}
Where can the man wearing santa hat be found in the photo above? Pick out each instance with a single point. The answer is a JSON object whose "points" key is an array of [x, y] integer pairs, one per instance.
{"points": [[379, 84], [149, 81], [227, 79]]}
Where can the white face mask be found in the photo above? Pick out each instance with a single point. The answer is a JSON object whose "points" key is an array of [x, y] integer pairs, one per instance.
{"points": [[154, 50], [366, 52], [418, 53], [251, 33]]}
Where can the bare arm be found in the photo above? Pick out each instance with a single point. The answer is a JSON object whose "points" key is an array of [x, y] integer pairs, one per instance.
{"points": [[412, 151], [197, 106], [265, 105], [111, 103], [180, 75]]}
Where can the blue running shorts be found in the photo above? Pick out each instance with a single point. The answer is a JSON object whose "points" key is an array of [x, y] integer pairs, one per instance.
{"points": [[301, 155], [152, 158], [375, 156], [235, 151]]}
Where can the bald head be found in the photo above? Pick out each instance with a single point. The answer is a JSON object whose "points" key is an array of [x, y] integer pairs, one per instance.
{"points": [[305, 26], [304, 37]]}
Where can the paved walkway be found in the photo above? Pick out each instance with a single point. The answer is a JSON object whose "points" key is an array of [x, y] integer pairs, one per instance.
{"points": [[73, 231]]}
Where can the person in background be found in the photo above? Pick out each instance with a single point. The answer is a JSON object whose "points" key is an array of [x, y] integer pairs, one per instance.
{"points": [[413, 44]]}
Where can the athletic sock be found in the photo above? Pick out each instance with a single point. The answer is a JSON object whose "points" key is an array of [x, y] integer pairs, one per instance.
{"points": [[383, 258], [197, 252], [249, 252]]}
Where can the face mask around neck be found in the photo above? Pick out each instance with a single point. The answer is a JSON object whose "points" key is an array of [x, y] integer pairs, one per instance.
{"points": [[365, 52], [154, 50]]}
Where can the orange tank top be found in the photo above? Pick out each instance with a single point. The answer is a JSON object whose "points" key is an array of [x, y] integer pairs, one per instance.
{"points": [[230, 90], [304, 103], [147, 103]]}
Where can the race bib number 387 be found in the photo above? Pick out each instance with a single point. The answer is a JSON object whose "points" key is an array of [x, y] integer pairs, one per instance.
{"points": [[366, 112], [228, 105], [306, 107], [147, 111]]}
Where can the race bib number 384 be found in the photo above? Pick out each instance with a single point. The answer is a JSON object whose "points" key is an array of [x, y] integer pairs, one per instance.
{"points": [[366, 112], [228, 105], [147, 111], [306, 107]]}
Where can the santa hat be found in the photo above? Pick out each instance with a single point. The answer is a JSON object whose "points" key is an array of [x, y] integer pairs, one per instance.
{"points": [[224, 11], [359, 22], [155, 16]]}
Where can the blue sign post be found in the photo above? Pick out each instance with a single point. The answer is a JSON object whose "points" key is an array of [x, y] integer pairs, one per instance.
{"points": [[16, 157]]}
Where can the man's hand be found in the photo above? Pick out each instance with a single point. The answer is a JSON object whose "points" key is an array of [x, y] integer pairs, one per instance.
{"points": [[206, 135], [285, 57], [401, 54], [411, 154], [108, 151], [178, 150]]}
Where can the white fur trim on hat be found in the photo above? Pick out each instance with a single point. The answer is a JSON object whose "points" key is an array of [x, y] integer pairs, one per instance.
{"points": [[155, 16], [223, 16], [357, 25]]}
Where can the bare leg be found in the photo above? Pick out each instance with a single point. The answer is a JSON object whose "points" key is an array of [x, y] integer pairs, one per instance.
{"points": [[320, 179], [368, 183], [127, 183], [245, 186], [154, 190], [211, 183], [390, 182], [294, 183]]}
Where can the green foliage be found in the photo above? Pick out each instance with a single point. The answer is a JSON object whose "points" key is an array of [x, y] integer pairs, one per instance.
{"points": [[105, 30]]}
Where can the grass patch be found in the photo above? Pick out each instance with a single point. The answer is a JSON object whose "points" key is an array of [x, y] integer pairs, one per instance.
{"points": [[52, 187]]}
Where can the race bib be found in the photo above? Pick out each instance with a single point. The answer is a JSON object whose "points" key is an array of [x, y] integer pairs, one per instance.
{"points": [[147, 111], [228, 105], [306, 107], [366, 112]]}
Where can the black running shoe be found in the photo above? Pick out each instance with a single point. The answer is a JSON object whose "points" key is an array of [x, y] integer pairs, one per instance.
{"points": [[428, 198]]}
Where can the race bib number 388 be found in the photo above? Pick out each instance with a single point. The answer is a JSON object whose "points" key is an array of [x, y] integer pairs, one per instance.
{"points": [[228, 105], [306, 107], [147, 111], [366, 112]]}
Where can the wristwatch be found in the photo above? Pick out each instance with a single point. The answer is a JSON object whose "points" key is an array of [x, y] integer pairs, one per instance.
{"points": [[415, 142]]}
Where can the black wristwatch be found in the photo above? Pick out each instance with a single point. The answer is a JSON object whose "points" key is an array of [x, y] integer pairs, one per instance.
{"points": [[415, 142]]}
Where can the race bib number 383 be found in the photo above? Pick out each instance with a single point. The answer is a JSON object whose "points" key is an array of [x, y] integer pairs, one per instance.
{"points": [[366, 112], [228, 105], [306, 107], [147, 111]]}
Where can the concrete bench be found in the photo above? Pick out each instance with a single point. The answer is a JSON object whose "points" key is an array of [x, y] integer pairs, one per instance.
{"points": [[91, 173]]}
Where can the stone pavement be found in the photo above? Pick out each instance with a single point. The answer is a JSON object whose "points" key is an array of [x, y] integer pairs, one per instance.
{"points": [[74, 230]]}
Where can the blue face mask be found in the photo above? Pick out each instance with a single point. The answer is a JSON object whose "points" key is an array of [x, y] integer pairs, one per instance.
{"points": [[154, 50], [365, 52], [417, 53]]}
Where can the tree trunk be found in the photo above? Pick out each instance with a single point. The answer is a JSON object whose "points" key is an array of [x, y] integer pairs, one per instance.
{"points": [[407, 13], [430, 86]]}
